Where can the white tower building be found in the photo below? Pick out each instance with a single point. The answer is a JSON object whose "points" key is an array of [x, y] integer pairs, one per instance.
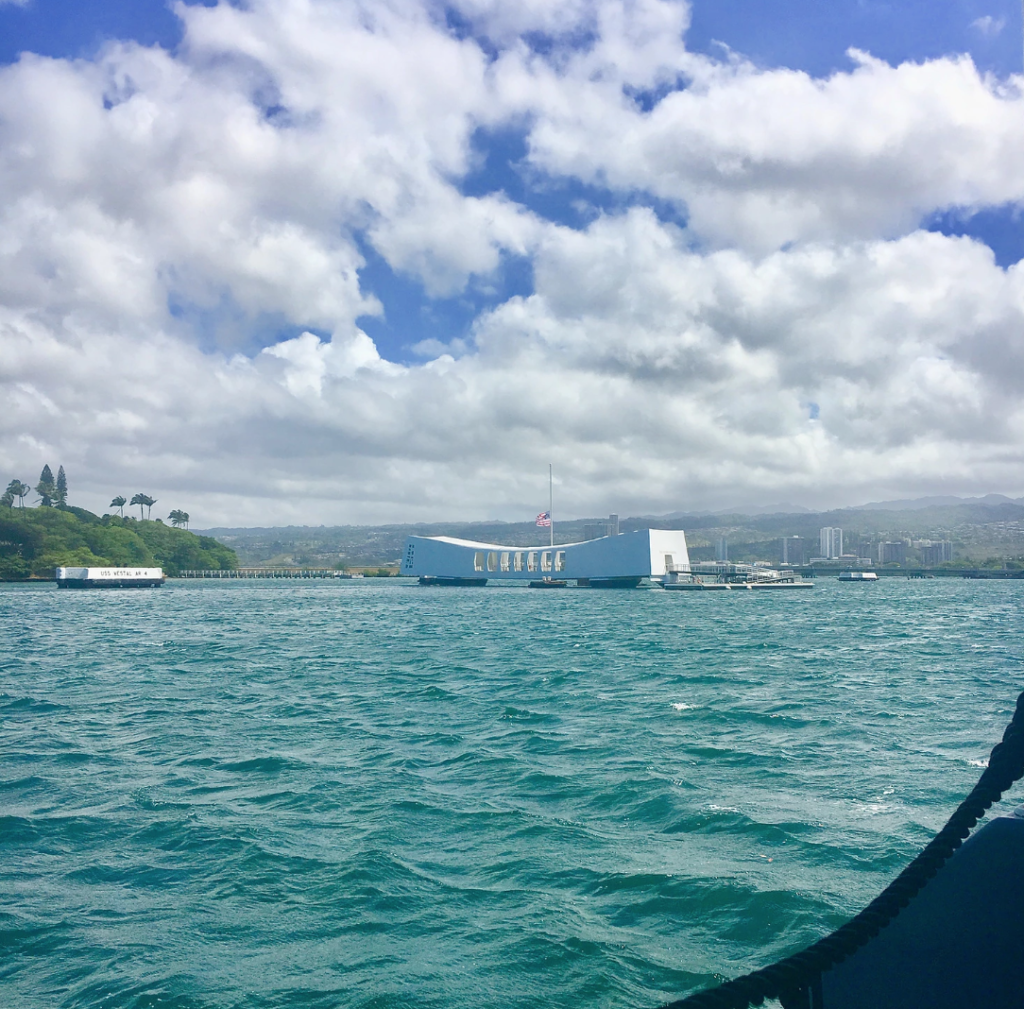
{"points": [[831, 543]]}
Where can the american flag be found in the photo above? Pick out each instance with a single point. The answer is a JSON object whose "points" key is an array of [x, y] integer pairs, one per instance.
{"points": [[544, 519]]}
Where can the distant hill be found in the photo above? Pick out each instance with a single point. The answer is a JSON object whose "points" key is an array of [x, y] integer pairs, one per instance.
{"points": [[947, 501], [34, 541], [982, 529]]}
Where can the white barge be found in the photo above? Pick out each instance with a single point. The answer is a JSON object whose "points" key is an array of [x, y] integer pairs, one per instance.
{"points": [[620, 561], [110, 578], [858, 576]]}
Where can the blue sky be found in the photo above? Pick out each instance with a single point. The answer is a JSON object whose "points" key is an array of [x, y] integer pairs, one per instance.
{"points": [[799, 34], [802, 34]]}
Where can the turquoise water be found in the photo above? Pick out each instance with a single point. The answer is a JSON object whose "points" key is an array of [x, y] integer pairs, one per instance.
{"points": [[260, 794]]}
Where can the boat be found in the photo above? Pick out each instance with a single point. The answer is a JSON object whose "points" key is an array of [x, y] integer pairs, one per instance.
{"points": [[946, 933], [858, 576]]}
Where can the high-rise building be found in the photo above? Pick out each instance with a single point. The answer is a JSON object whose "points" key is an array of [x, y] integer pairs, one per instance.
{"points": [[721, 549], [935, 551], [596, 530], [794, 550], [892, 552], [831, 543]]}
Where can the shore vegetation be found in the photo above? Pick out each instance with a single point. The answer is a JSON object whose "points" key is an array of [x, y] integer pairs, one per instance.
{"points": [[34, 541]]}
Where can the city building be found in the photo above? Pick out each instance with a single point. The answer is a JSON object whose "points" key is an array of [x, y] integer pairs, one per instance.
{"points": [[795, 550], [721, 550], [934, 552], [892, 552], [595, 530], [831, 543]]}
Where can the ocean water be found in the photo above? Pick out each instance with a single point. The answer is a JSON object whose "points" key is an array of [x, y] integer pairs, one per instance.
{"points": [[266, 794]]}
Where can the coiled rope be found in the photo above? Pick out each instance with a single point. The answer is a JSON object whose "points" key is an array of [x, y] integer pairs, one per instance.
{"points": [[787, 979]]}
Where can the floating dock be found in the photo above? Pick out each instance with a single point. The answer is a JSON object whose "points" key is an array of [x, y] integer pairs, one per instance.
{"points": [[110, 578], [718, 575]]}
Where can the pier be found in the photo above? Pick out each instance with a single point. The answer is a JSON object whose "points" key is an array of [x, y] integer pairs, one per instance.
{"points": [[269, 573], [821, 571]]}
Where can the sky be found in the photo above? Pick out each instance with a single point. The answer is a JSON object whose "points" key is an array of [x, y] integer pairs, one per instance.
{"points": [[320, 261]]}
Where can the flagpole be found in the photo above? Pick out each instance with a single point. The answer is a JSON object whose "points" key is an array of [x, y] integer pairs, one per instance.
{"points": [[551, 506]]}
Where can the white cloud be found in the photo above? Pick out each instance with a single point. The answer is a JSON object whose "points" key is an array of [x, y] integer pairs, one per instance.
{"points": [[159, 209], [988, 26], [685, 380], [760, 159]]}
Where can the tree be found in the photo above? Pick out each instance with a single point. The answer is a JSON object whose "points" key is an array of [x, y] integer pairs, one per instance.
{"points": [[178, 518], [46, 488], [15, 489], [119, 502], [61, 495], [143, 500]]}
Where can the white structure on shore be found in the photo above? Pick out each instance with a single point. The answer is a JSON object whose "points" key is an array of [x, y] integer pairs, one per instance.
{"points": [[109, 578], [606, 562]]}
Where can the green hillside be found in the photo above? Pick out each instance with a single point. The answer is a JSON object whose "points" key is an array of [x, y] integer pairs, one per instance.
{"points": [[34, 541]]}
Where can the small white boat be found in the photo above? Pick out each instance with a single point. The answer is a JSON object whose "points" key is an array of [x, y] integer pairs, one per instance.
{"points": [[858, 576]]}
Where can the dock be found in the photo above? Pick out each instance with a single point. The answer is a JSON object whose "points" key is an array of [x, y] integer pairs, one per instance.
{"points": [[268, 573]]}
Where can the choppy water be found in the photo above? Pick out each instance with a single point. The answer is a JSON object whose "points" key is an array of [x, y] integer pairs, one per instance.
{"points": [[260, 794]]}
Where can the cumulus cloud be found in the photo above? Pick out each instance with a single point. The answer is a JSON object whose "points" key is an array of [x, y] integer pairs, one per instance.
{"points": [[183, 240], [760, 159]]}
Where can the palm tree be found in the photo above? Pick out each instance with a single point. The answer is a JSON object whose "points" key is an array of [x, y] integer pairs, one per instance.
{"points": [[18, 490], [148, 502], [140, 500], [119, 502], [178, 518]]}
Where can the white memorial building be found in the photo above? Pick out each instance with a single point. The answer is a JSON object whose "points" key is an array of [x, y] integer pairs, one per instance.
{"points": [[608, 562]]}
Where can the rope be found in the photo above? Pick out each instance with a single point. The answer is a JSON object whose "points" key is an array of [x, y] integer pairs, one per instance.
{"points": [[787, 979]]}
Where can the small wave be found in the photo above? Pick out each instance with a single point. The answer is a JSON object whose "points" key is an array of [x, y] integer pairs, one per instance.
{"points": [[978, 763], [17, 829], [31, 704], [512, 714], [683, 706], [264, 765]]}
